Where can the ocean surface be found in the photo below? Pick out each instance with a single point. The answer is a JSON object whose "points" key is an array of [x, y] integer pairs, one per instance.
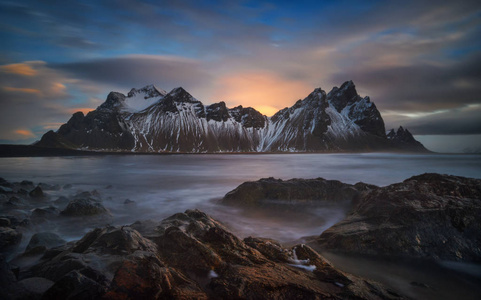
{"points": [[162, 185]]}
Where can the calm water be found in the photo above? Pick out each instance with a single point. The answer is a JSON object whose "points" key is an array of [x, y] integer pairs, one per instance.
{"points": [[166, 184]]}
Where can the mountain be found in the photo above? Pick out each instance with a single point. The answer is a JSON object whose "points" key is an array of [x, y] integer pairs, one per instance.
{"points": [[152, 120]]}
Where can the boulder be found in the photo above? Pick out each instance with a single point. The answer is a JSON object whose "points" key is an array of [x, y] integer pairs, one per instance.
{"points": [[84, 207], [47, 239], [37, 192], [49, 187], [5, 189], [9, 238], [40, 215], [192, 256], [430, 216], [270, 191], [128, 201]]}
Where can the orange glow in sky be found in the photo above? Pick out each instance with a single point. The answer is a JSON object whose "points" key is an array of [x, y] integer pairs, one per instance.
{"points": [[266, 92]]}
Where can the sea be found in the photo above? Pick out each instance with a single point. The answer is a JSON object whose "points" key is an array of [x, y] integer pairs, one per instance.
{"points": [[162, 185]]}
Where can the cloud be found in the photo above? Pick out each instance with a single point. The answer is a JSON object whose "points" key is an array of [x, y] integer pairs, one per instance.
{"points": [[31, 99], [24, 133], [21, 90], [463, 120], [19, 69], [139, 70]]}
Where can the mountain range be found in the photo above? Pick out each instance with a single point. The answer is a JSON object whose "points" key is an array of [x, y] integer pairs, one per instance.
{"points": [[151, 120]]}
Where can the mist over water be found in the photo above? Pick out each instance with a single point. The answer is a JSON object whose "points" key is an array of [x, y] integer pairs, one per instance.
{"points": [[162, 185]]}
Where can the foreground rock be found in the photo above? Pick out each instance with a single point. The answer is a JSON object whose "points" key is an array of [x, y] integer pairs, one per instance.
{"points": [[430, 215], [269, 191], [188, 256]]}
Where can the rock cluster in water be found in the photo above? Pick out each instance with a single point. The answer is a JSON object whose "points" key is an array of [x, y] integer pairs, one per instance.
{"points": [[186, 256], [429, 216], [190, 255]]}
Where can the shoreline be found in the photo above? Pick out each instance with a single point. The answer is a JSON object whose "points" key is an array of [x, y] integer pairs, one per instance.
{"points": [[9, 150]]}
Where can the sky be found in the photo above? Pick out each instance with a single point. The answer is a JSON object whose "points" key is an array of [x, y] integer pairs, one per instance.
{"points": [[419, 61]]}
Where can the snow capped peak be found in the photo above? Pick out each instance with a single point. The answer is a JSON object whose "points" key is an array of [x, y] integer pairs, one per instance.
{"points": [[178, 94], [114, 101], [149, 91]]}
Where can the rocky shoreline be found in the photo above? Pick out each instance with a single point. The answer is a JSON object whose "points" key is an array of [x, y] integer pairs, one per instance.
{"points": [[191, 255]]}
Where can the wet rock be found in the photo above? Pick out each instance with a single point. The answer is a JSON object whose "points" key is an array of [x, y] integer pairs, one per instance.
{"points": [[5, 190], [36, 286], [15, 202], [195, 243], [269, 248], [5, 222], [67, 186], [9, 238], [36, 192], [49, 187], [84, 207], [22, 192], [143, 276], [40, 215], [192, 256], [430, 215], [9, 287], [46, 239], [27, 184], [128, 201], [61, 201], [270, 191], [75, 285]]}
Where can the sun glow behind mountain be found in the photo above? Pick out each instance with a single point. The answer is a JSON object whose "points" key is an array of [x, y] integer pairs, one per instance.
{"points": [[266, 92]]}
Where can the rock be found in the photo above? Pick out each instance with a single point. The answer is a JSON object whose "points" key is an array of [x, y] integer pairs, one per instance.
{"points": [[49, 187], [67, 186], [431, 216], [36, 192], [9, 238], [144, 276], [5, 222], [404, 140], [269, 248], [75, 285], [128, 201], [40, 215], [9, 287], [5, 190], [195, 243], [27, 184], [22, 191], [15, 202], [61, 201], [192, 256], [36, 286], [270, 191], [47, 239], [84, 207]]}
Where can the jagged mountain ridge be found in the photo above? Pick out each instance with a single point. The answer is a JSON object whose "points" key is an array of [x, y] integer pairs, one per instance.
{"points": [[152, 120]]}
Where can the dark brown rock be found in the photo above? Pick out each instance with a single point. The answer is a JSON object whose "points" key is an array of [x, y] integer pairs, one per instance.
{"points": [[270, 191], [9, 238], [192, 256], [37, 192], [84, 207], [430, 215], [46, 239]]}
